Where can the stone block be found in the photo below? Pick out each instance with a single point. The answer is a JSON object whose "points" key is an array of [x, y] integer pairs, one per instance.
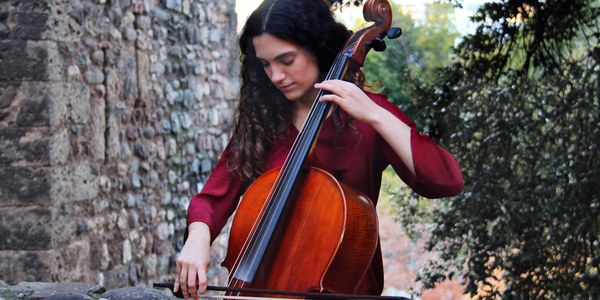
{"points": [[56, 69], [23, 19], [27, 25], [75, 262], [4, 113], [24, 186], [7, 94], [24, 146], [59, 105], [63, 296], [143, 74], [128, 67], [21, 61], [134, 293], [98, 128], [25, 266], [73, 289], [33, 113], [60, 147], [29, 103], [70, 103], [117, 278], [74, 183], [79, 103], [25, 228], [66, 22], [31, 5], [73, 86], [51, 290]]}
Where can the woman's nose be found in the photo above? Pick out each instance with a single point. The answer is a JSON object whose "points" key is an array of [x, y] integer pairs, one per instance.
{"points": [[277, 74]]}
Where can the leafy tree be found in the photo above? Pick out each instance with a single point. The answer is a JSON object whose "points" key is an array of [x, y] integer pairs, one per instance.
{"points": [[422, 48], [434, 39], [520, 109], [387, 70]]}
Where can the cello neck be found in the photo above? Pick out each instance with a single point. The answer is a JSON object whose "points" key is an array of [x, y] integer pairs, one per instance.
{"points": [[290, 176], [287, 182]]}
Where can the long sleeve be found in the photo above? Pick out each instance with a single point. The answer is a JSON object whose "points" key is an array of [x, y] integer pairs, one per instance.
{"points": [[356, 157], [437, 171], [217, 200]]}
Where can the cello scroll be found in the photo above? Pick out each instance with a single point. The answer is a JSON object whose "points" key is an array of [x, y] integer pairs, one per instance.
{"points": [[380, 13]]}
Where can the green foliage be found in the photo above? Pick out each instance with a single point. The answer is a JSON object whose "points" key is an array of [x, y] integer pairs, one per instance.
{"points": [[520, 109], [409, 210], [418, 53], [389, 69], [433, 41]]}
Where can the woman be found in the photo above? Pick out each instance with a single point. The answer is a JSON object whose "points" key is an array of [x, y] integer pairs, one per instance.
{"points": [[287, 48]]}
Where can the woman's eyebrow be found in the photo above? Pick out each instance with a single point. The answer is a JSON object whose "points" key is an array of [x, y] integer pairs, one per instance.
{"points": [[280, 56]]}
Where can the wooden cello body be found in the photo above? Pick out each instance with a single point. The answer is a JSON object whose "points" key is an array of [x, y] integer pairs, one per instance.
{"points": [[325, 227], [297, 228]]}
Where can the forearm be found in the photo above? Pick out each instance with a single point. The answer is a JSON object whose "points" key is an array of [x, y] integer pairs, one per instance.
{"points": [[200, 231], [396, 133]]}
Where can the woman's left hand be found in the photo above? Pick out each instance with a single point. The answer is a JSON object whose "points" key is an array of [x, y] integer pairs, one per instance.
{"points": [[356, 103], [351, 99]]}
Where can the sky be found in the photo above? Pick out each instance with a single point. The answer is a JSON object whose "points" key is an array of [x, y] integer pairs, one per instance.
{"points": [[245, 7]]}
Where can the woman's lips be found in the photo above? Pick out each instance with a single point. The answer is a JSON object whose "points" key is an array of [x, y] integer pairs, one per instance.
{"points": [[286, 88]]}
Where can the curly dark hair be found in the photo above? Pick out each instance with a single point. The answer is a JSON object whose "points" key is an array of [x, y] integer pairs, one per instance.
{"points": [[263, 114]]}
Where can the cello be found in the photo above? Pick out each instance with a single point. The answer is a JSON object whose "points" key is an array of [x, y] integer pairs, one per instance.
{"points": [[298, 229]]}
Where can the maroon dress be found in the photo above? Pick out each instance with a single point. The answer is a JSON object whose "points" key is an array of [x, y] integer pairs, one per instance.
{"points": [[358, 160]]}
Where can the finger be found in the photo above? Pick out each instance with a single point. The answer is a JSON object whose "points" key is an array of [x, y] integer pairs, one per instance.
{"points": [[202, 281], [330, 98], [330, 85], [335, 94], [333, 82], [176, 284], [194, 293], [183, 281], [326, 85], [191, 282]]}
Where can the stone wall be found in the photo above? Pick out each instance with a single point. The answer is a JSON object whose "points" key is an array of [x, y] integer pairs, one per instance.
{"points": [[112, 114]]}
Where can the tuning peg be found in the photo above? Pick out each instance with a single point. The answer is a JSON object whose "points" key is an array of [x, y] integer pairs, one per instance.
{"points": [[394, 32], [377, 44]]}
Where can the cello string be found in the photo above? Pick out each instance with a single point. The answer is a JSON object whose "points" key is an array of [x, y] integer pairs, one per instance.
{"points": [[301, 136], [248, 262], [274, 192], [257, 227], [292, 159], [312, 114]]}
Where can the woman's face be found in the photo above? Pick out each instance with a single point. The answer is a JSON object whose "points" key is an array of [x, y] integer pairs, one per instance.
{"points": [[291, 68]]}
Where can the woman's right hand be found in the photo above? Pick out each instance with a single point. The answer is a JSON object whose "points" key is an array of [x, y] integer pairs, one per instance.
{"points": [[193, 261]]}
